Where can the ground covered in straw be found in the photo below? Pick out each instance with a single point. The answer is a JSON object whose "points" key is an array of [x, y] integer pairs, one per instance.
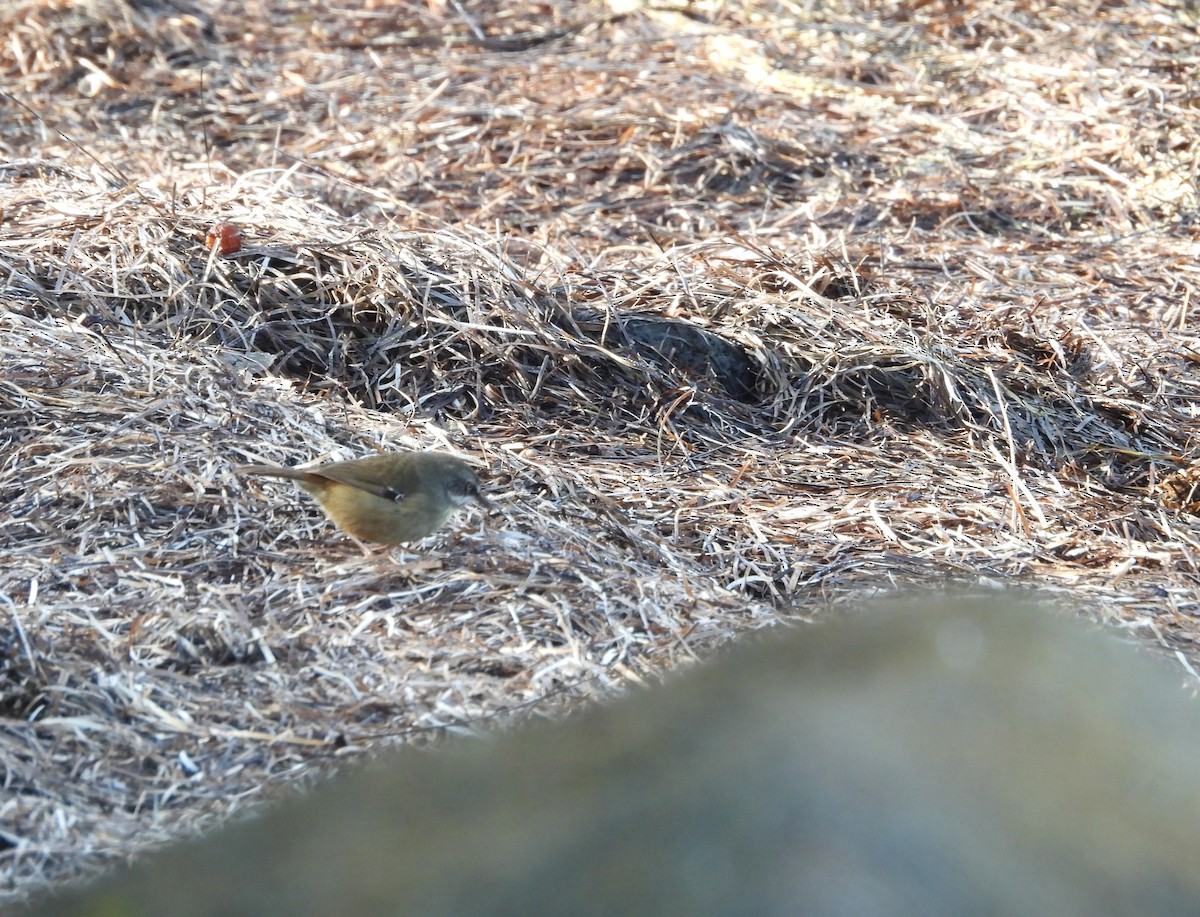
{"points": [[743, 310]]}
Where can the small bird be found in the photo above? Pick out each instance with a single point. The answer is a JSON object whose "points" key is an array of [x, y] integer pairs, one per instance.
{"points": [[391, 498]]}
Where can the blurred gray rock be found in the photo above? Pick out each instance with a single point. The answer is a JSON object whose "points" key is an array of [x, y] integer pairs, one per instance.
{"points": [[978, 759]]}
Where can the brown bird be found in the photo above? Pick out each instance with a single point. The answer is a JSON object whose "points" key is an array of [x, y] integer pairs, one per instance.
{"points": [[390, 498]]}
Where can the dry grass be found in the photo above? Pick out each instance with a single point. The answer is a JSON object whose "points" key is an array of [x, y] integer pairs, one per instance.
{"points": [[746, 308]]}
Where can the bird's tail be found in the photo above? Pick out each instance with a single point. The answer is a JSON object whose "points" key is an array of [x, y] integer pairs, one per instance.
{"points": [[272, 471]]}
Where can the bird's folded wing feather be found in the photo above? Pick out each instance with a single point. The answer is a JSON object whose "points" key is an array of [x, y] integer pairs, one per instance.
{"points": [[355, 478]]}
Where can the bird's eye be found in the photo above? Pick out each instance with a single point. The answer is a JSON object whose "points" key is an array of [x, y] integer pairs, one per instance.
{"points": [[463, 491], [394, 495]]}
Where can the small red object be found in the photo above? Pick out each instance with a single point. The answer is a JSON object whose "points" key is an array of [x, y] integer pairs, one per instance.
{"points": [[225, 237]]}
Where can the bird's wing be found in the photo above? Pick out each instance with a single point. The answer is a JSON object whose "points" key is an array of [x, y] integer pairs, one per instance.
{"points": [[355, 477]]}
